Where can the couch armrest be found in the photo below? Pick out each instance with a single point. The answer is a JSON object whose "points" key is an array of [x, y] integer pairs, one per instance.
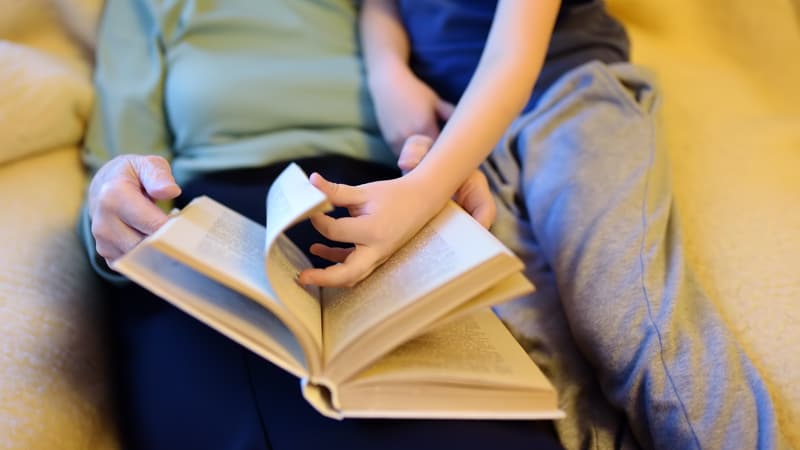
{"points": [[54, 391]]}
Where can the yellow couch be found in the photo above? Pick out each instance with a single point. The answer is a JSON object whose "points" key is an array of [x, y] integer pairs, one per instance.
{"points": [[53, 383], [729, 71]]}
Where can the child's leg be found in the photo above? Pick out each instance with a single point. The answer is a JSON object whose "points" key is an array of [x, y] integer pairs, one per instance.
{"points": [[595, 198], [539, 324]]}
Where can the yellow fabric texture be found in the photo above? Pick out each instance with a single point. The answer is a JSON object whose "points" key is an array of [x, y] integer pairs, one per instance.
{"points": [[730, 75], [729, 71], [46, 93], [53, 379]]}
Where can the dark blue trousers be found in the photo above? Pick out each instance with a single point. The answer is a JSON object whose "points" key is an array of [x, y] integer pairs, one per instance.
{"points": [[181, 385]]}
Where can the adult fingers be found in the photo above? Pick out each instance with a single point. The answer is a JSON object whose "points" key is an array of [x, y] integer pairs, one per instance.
{"points": [[339, 194], [125, 200], [113, 238], [444, 109], [477, 199], [414, 150], [142, 215], [485, 214], [155, 175]]}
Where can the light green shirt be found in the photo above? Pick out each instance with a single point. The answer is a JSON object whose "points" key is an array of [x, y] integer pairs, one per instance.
{"points": [[214, 84], [223, 84]]}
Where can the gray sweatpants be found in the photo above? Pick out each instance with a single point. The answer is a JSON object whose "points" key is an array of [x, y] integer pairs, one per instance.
{"points": [[638, 353]]}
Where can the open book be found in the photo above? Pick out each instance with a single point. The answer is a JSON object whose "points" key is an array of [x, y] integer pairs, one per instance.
{"points": [[414, 339]]}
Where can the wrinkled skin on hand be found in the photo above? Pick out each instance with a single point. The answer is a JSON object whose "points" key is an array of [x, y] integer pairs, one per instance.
{"points": [[121, 202]]}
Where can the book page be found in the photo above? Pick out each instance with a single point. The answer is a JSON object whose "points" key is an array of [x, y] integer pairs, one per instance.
{"points": [[220, 238], [435, 400], [508, 289], [476, 350], [283, 264], [222, 308], [451, 245], [469, 369], [228, 247], [290, 199]]}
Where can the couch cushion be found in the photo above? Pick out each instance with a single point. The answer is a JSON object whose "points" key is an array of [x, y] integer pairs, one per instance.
{"points": [[44, 73], [44, 103], [731, 120], [53, 383]]}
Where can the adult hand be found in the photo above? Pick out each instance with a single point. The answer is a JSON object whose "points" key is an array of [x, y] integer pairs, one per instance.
{"points": [[405, 106], [473, 195], [121, 201]]}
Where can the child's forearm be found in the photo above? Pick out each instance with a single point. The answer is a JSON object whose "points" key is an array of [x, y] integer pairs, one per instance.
{"points": [[499, 89]]}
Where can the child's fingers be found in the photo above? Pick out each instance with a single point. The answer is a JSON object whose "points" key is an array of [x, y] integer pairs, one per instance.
{"points": [[333, 254], [358, 265], [339, 194], [344, 229]]}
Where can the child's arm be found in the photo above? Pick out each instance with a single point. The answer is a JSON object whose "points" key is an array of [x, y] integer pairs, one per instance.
{"points": [[386, 214], [497, 92]]}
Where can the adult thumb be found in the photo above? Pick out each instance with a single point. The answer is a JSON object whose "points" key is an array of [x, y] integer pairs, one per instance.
{"points": [[156, 177], [444, 109], [414, 150]]}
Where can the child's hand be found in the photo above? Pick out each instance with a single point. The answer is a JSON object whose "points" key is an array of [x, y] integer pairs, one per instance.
{"points": [[474, 194], [383, 216], [406, 106]]}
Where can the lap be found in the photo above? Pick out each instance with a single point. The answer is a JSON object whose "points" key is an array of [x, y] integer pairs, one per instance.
{"points": [[180, 384]]}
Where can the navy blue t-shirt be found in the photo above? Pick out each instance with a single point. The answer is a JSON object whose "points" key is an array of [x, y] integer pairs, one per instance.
{"points": [[448, 36]]}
